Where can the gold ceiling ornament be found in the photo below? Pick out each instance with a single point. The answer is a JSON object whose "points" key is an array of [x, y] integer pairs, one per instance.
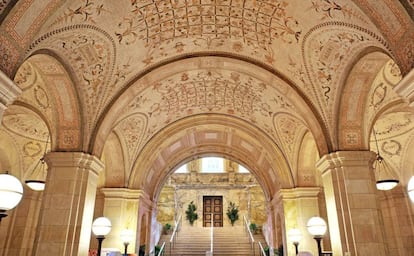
{"points": [[384, 175], [37, 177]]}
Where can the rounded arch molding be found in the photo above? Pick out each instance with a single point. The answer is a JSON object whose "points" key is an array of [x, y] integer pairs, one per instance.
{"points": [[287, 96], [48, 89], [200, 135]]}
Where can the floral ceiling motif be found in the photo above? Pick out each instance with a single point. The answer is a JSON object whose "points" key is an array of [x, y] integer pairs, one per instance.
{"points": [[106, 56], [201, 91], [111, 44], [255, 21], [327, 51], [92, 57]]}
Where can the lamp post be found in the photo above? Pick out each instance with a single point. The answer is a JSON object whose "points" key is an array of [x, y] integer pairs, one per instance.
{"points": [[37, 182], [127, 236], [101, 227], [11, 192], [295, 235], [317, 227]]}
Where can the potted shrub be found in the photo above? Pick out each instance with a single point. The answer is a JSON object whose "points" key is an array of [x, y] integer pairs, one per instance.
{"points": [[191, 214], [253, 228], [167, 228], [232, 213]]}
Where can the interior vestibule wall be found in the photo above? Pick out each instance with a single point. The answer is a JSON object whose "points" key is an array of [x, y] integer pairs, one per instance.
{"points": [[180, 191], [397, 215], [21, 225], [292, 209], [237, 196]]}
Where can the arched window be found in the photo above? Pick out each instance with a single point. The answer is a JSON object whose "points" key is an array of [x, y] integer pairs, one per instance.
{"points": [[243, 169], [212, 164], [182, 169]]}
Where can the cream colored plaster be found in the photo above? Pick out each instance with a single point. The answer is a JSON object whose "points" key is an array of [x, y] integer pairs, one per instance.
{"points": [[121, 206], [299, 205], [66, 227], [351, 233], [8, 92]]}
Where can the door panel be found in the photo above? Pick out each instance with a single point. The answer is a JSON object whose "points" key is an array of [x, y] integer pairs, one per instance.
{"points": [[213, 205]]}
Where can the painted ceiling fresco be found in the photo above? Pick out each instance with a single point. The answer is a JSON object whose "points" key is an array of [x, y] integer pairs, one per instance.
{"points": [[76, 60]]}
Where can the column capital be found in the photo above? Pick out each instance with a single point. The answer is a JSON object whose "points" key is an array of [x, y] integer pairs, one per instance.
{"points": [[74, 159], [8, 90], [405, 88], [294, 193], [125, 193], [345, 158]]}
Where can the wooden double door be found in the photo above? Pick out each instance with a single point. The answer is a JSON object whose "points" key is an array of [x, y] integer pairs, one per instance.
{"points": [[212, 211]]}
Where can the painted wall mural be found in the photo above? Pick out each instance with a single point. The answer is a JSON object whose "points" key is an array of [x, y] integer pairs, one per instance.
{"points": [[200, 91], [324, 57], [106, 56], [160, 21], [92, 57]]}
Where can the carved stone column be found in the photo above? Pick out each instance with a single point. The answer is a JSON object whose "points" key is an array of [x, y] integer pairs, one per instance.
{"points": [[405, 88], [68, 204], [121, 207], [355, 222], [299, 205], [398, 218], [21, 232], [8, 92]]}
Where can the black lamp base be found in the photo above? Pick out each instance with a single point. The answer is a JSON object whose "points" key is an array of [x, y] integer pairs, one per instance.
{"points": [[2, 214]]}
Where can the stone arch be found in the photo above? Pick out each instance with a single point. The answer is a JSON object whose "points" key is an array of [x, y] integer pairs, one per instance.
{"points": [[113, 156], [152, 78], [48, 90], [327, 62], [353, 124], [201, 135], [23, 134], [306, 173], [90, 52]]}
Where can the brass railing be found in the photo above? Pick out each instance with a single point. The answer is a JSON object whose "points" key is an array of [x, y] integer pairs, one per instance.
{"points": [[249, 232], [175, 233], [262, 249]]}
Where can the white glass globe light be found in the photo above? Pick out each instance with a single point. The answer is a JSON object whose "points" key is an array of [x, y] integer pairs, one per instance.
{"points": [[101, 226], [410, 188], [127, 235], [11, 192], [294, 235], [316, 226]]}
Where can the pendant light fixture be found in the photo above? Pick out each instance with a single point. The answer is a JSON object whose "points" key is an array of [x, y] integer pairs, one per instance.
{"points": [[385, 179], [11, 192], [38, 174]]}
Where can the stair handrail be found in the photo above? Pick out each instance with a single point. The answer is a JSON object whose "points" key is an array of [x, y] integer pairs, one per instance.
{"points": [[211, 235], [246, 223], [175, 232], [261, 249], [161, 252], [251, 238]]}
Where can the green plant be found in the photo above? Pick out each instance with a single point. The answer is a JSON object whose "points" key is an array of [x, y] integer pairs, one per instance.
{"points": [[267, 250], [157, 249], [253, 228], [277, 252], [167, 228], [191, 214], [232, 213]]}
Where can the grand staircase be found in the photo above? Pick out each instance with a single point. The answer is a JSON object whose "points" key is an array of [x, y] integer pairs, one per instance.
{"points": [[228, 241]]}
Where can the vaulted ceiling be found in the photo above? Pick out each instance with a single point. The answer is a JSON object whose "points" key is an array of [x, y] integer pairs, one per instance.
{"points": [[149, 84]]}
